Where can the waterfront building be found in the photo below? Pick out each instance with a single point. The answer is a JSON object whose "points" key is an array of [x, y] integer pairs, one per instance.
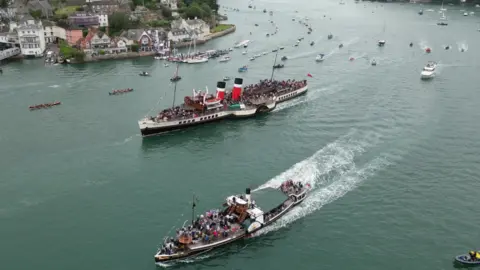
{"points": [[31, 36], [73, 35]]}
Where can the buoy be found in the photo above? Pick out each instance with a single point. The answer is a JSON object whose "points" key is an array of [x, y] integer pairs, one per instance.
{"points": [[428, 50]]}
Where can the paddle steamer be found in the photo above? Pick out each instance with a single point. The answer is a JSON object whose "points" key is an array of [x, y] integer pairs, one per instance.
{"points": [[240, 218]]}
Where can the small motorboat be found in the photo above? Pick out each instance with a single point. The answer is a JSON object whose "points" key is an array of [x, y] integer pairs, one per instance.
{"points": [[264, 53], [420, 12], [121, 91], [264, 11], [225, 58], [330, 36], [157, 58], [411, 44], [442, 23], [275, 50], [381, 43], [226, 78], [296, 45], [244, 52], [374, 63], [281, 48], [309, 32], [293, 20], [252, 58], [245, 46], [428, 50], [165, 65], [278, 66], [340, 46], [144, 73], [462, 50], [465, 14], [230, 49], [175, 78], [284, 58], [351, 59], [465, 259], [447, 47], [428, 71], [256, 24], [243, 69], [312, 43], [320, 58]]}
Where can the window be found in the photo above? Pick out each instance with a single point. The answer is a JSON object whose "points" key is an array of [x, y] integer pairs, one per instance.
{"points": [[33, 32], [23, 32]]}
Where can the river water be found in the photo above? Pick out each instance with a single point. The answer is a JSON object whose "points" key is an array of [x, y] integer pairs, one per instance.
{"points": [[393, 159]]}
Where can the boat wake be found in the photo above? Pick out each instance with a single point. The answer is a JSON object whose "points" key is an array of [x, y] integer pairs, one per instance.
{"points": [[462, 45], [332, 173], [314, 94], [423, 45]]}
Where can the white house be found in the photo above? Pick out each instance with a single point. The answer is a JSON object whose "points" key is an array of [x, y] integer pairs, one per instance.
{"points": [[103, 19], [100, 41], [53, 33], [31, 36], [184, 29]]}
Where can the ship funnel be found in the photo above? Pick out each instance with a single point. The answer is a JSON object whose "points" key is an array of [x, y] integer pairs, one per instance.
{"points": [[221, 90], [248, 196], [237, 89]]}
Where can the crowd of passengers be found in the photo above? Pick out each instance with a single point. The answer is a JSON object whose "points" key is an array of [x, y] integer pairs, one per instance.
{"points": [[211, 226], [174, 113], [275, 86], [290, 187]]}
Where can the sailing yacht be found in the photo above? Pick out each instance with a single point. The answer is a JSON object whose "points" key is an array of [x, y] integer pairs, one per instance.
{"points": [[197, 59], [443, 20]]}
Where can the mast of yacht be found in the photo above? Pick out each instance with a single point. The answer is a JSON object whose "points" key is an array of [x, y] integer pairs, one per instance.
{"points": [[175, 85], [274, 63]]}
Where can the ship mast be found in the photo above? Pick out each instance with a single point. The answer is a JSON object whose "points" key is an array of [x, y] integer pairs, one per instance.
{"points": [[193, 208], [274, 63], [175, 87]]}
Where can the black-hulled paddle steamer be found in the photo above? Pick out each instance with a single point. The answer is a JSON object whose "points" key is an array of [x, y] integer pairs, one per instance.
{"points": [[240, 218]]}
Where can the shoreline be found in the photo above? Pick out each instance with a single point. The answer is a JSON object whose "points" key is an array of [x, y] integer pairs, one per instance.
{"points": [[130, 55]]}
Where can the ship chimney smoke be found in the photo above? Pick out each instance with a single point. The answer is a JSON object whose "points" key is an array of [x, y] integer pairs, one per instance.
{"points": [[248, 196], [221, 90], [237, 89]]}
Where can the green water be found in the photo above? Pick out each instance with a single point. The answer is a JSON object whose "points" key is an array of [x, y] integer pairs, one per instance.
{"points": [[393, 159]]}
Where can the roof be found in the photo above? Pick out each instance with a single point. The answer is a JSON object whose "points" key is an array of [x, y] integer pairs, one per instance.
{"points": [[195, 21], [133, 34], [104, 3], [40, 4], [47, 23], [26, 17]]}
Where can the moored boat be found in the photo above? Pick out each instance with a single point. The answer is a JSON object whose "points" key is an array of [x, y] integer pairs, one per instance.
{"points": [[144, 74], [225, 58], [278, 66], [243, 69], [239, 218], [320, 57]]}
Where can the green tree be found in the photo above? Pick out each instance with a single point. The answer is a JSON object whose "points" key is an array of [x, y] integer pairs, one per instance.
{"points": [[37, 14], [194, 10], [206, 8], [134, 47], [3, 3], [80, 9], [166, 12], [118, 22]]}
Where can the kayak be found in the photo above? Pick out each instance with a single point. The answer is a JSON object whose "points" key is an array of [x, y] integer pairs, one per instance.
{"points": [[465, 259]]}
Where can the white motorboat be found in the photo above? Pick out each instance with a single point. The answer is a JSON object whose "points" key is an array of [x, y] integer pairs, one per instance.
{"points": [[257, 55], [428, 71], [165, 65], [225, 58], [264, 53], [230, 49], [252, 58], [157, 58], [319, 58], [197, 60], [244, 52], [241, 43], [381, 42], [374, 63], [465, 14]]}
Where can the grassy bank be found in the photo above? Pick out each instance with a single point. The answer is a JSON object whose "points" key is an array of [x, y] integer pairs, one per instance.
{"points": [[221, 27], [66, 10], [69, 52]]}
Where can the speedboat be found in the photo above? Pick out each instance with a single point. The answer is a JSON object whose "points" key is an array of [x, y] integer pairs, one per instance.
{"points": [[442, 23], [225, 58], [252, 58], [312, 43], [165, 65], [284, 58], [144, 73], [275, 50], [319, 57], [381, 43], [330, 36], [197, 60], [340, 46], [420, 12], [243, 69], [428, 71], [374, 63], [281, 48], [226, 78], [465, 14], [447, 47], [244, 52], [175, 78], [278, 66]]}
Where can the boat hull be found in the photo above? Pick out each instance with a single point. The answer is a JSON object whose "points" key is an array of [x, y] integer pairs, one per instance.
{"points": [[292, 94], [464, 259], [427, 75]]}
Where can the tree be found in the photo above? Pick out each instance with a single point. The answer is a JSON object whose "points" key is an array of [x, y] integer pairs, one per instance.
{"points": [[4, 3], [36, 14], [166, 12], [194, 10], [118, 22]]}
